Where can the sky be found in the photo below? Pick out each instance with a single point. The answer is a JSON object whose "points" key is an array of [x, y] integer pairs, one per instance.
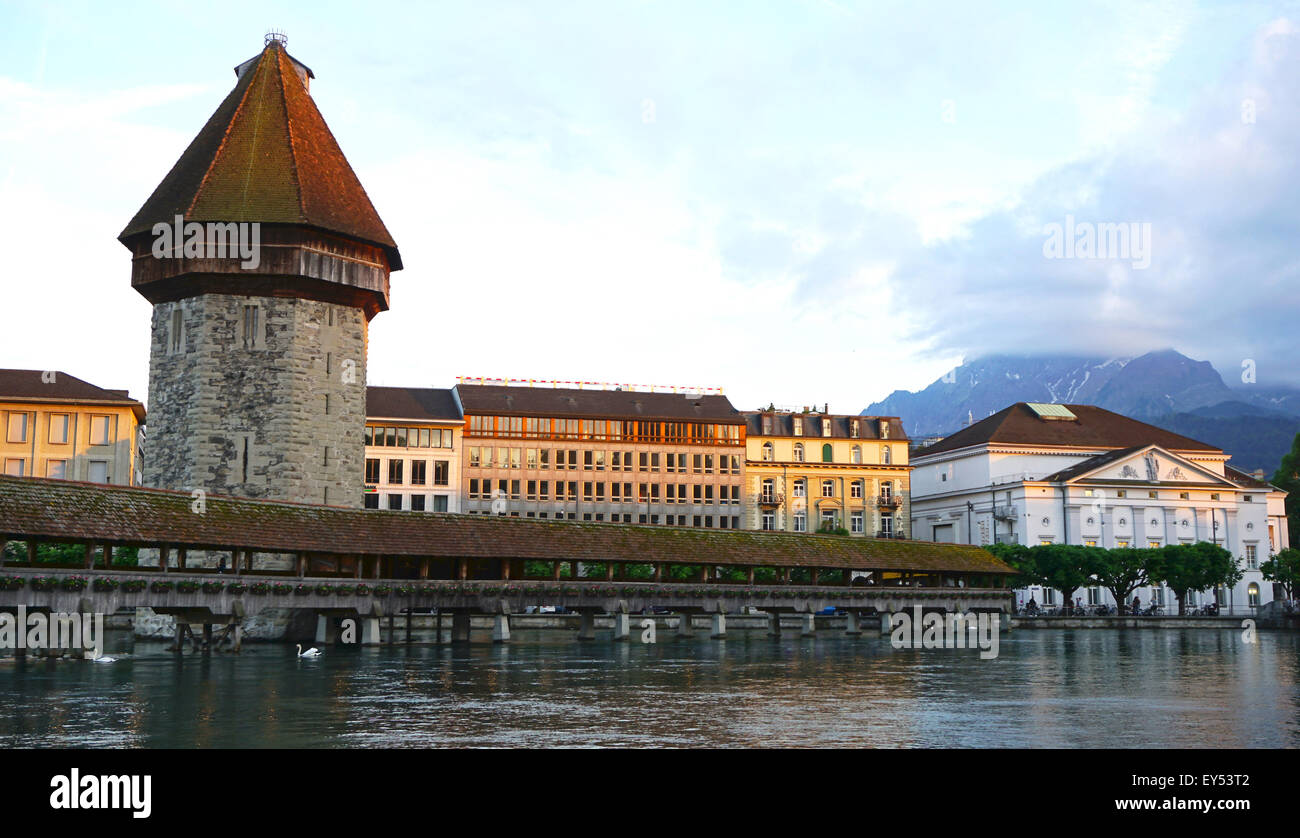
{"points": [[799, 202]]}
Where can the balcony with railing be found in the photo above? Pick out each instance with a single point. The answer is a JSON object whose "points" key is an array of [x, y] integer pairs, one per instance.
{"points": [[889, 501], [770, 499]]}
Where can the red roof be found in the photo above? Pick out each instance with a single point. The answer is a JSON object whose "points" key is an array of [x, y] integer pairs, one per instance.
{"points": [[266, 155], [1093, 427], [56, 386]]}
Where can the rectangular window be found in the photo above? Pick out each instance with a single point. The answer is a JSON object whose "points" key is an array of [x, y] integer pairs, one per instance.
{"points": [[56, 469], [514, 489], [855, 523], [176, 338], [97, 471], [855, 489], [440, 472], [801, 522], [439, 503], [417, 503], [395, 472], [372, 471], [15, 466], [697, 463], [395, 502], [99, 430], [769, 520], [251, 331], [370, 500], [59, 423], [1252, 557], [417, 472]]}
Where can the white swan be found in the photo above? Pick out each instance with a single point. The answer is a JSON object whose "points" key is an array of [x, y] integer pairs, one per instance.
{"points": [[104, 659], [313, 652]]}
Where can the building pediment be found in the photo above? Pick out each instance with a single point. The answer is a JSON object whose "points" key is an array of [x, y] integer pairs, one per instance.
{"points": [[1148, 465]]}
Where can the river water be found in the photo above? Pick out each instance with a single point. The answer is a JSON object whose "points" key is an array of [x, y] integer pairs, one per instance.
{"points": [[1047, 688]]}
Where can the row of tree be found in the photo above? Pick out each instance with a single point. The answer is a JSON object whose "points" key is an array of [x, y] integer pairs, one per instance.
{"points": [[1122, 570]]}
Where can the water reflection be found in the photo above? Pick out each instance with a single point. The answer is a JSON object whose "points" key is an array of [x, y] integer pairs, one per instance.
{"points": [[1047, 689]]}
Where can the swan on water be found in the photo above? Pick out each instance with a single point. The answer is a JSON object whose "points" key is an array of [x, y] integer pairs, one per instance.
{"points": [[313, 652]]}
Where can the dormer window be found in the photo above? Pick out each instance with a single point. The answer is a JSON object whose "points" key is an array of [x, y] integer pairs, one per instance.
{"points": [[853, 429], [767, 425], [826, 426], [798, 426], [884, 429]]}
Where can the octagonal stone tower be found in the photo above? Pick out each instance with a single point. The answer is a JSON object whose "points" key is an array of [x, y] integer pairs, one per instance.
{"points": [[264, 261]]}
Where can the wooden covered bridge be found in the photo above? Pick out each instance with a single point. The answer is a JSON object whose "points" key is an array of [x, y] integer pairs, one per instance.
{"points": [[338, 561]]}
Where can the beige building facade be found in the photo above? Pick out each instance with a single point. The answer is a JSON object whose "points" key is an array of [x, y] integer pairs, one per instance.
{"points": [[58, 426], [808, 471]]}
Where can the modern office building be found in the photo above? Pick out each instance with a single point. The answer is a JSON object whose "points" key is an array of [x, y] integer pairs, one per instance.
{"points": [[806, 471], [1077, 474], [413, 448], [593, 454], [56, 425]]}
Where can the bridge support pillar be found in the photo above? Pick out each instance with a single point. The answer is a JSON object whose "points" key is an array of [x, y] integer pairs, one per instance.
{"points": [[1004, 624], [774, 624], [719, 625], [326, 631], [684, 624], [809, 621], [460, 626], [237, 633], [621, 628], [179, 645], [501, 628], [587, 625], [851, 626], [370, 632]]}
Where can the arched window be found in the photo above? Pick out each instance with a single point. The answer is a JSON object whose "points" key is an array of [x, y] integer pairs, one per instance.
{"points": [[887, 489], [767, 452], [1252, 594], [885, 456], [826, 453], [768, 490], [828, 488], [857, 454], [798, 452]]}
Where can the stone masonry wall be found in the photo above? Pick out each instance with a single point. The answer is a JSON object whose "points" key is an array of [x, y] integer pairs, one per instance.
{"points": [[280, 420]]}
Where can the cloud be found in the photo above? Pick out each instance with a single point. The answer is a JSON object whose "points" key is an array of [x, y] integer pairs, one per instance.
{"points": [[1218, 191]]}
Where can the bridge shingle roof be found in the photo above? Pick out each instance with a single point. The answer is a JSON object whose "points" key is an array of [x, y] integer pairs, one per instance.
{"points": [[68, 511]]}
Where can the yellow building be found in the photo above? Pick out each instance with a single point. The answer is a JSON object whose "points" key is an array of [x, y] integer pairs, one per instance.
{"points": [[59, 426], [808, 471]]}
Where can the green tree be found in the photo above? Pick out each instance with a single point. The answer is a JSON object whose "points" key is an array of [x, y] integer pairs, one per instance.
{"points": [[1287, 477], [1122, 570], [1065, 567], [1284, 568], [1021, 558], [1193, 567]]}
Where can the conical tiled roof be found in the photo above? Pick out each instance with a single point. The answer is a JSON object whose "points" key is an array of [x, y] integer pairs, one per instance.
{"points": [[266, 155]]}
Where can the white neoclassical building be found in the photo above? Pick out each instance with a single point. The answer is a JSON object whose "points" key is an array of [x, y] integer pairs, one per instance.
{"points": [[1077, 474]]}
